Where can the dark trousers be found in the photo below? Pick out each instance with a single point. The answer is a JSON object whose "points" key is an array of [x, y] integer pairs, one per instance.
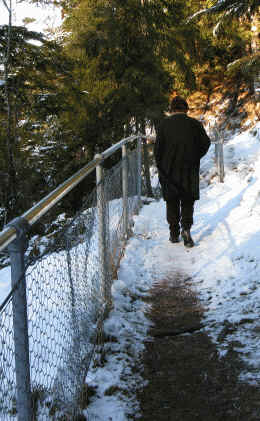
{"points": [[179, 211]]}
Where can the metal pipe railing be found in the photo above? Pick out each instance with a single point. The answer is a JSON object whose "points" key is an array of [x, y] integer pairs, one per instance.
{"points": [[41, 208], [108, 152]]}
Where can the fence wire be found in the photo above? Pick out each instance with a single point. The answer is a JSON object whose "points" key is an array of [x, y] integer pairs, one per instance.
{"points": [[7, 372], [114, 199], [66, 305]]}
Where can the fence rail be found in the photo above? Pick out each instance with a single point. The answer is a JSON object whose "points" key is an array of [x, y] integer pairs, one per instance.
{"points": [[36, 212], [50, 321]]}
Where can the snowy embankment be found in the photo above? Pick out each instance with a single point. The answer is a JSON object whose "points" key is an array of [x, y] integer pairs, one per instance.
{"points": [[223, 268]]}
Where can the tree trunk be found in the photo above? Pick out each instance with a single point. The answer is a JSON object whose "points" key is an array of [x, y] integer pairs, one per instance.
{"points": [[11, 197]]}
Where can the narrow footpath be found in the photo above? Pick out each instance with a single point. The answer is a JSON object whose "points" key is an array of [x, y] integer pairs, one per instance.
{"points": [[185, 329], [186, 379]]}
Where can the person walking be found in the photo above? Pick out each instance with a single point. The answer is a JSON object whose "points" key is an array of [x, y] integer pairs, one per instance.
{"points": [[181, 142]]}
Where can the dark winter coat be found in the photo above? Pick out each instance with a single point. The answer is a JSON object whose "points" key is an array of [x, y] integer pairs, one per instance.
{"points": [[180, 144]]}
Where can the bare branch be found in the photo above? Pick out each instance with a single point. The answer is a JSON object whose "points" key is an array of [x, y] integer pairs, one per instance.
{"points": [[5, 4]]}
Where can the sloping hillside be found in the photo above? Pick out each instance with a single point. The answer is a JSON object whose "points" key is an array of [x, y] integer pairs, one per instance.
{"points": [[228, 110]]}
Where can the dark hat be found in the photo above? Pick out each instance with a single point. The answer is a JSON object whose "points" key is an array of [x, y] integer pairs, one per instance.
{"points": [[179, 104]]}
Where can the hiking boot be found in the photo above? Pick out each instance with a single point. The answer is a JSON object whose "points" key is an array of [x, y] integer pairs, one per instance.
{"points": [[188, 241], [174, 238]]}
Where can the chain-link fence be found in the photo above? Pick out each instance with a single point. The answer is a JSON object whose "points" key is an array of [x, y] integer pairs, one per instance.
{"points": [[66, 297]]}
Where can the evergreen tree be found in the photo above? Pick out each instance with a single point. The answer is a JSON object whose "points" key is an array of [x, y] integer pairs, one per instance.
{"points": [[244, 68], [125, 50], [30, 99]]}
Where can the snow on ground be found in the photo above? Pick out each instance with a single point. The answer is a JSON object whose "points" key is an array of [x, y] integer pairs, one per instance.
{"points": [[5, 283], [223, 268]]}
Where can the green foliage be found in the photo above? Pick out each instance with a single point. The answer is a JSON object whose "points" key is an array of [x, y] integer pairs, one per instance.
{"points": [[130, 56], [32, 95], [233, 8], [232, 23], [245, 68]]}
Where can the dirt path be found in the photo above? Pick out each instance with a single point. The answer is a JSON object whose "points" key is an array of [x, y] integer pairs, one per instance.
{"points": [[186, 379]]}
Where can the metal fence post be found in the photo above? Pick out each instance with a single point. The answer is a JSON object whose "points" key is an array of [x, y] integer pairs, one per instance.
{"points": [[219, 159], [139, 170], [125, 191], [147, 175], [102, 235], [219, 154], [221, 162], [216, 153], [20, 320]]}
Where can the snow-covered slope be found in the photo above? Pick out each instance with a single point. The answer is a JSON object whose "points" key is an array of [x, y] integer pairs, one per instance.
{"points": [[223, 268]]}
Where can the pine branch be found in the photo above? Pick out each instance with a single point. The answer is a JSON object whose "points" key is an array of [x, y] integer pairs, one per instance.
{"points": [[229, 7]]}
